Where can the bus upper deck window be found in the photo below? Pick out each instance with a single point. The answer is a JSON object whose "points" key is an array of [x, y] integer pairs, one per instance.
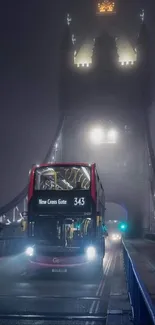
{"points": [[78, 186]]}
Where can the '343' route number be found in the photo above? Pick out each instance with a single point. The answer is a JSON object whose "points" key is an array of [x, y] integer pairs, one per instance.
{"points": [[79, 201]]}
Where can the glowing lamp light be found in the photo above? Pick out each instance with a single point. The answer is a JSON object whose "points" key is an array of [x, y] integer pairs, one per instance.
{"points": [[29, 251], [112, 136], [91, 253], [106, 6], [123, 226], [97, 135], [116, 237]]}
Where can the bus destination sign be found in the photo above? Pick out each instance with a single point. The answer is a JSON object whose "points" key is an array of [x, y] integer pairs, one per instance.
{"points": [[77, 201], [66, 202]]}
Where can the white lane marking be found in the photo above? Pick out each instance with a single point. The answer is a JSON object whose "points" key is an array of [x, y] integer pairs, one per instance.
{"points": [[103, 285], [105, 274], [99, 290], [97, 304], [151, 264], [94, 302]]}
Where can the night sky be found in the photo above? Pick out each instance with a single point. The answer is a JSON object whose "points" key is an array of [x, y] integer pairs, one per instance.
{"points": [[31, 32]]}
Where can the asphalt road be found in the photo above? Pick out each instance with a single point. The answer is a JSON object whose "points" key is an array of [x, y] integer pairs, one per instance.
{"points": [[58, 294]]}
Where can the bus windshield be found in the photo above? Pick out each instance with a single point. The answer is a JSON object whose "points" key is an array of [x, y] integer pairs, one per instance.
{"points": [[60, 232], [62, 178]]}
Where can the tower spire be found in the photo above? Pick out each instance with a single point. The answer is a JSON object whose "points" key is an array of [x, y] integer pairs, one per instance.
{"points": [[142, 15], [143, 44], [69, 19], [73, 39], [66, 47]]}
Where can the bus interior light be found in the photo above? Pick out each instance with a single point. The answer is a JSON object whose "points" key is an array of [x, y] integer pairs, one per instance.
{"points": [[91, 253]]}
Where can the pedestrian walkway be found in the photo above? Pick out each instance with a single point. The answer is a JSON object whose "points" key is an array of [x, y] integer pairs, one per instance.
{"points": [[142, 253]]}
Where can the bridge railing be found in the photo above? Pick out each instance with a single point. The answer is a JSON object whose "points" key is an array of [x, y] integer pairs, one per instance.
{"points": [[142, 306], [151, 178], [12, 211], [12, 246]]}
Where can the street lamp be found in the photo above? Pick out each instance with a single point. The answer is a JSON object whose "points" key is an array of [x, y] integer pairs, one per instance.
{"points": [[97, 135], [112, 136]]}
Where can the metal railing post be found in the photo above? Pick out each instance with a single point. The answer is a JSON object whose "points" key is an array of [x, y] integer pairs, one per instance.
{"points": [[14, 214], [25, 204]]}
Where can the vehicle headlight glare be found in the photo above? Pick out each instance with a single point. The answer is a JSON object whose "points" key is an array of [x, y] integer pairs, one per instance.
{"points": [[91, 253], [116, 237], [29, 251]]}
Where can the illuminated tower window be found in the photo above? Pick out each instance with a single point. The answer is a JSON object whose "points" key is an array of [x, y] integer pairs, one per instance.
{"points": [[106, 7]]}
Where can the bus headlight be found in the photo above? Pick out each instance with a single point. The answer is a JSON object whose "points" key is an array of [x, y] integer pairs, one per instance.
{"points": [[115, 237], [29, 251], [91, 253]]}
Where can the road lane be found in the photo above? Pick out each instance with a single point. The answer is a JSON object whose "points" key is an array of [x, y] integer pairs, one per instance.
{"points": [[59, 294]]}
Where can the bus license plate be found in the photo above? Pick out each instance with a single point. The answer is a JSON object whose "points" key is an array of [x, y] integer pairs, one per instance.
{"points": [[59, 270]]}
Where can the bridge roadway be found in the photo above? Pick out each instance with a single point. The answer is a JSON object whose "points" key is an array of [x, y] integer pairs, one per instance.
{"points": [[20, 293]]}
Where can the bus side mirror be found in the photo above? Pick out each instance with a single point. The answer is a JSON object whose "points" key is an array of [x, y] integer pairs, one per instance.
{"points": [[24, 214]]}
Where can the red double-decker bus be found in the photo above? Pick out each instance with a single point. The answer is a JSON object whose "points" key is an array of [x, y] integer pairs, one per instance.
{"points": [[66, 206]]}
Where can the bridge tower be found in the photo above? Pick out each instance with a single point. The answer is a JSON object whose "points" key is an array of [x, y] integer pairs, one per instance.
{"points": [[66, 64], [145, 103], [107, 91]]}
